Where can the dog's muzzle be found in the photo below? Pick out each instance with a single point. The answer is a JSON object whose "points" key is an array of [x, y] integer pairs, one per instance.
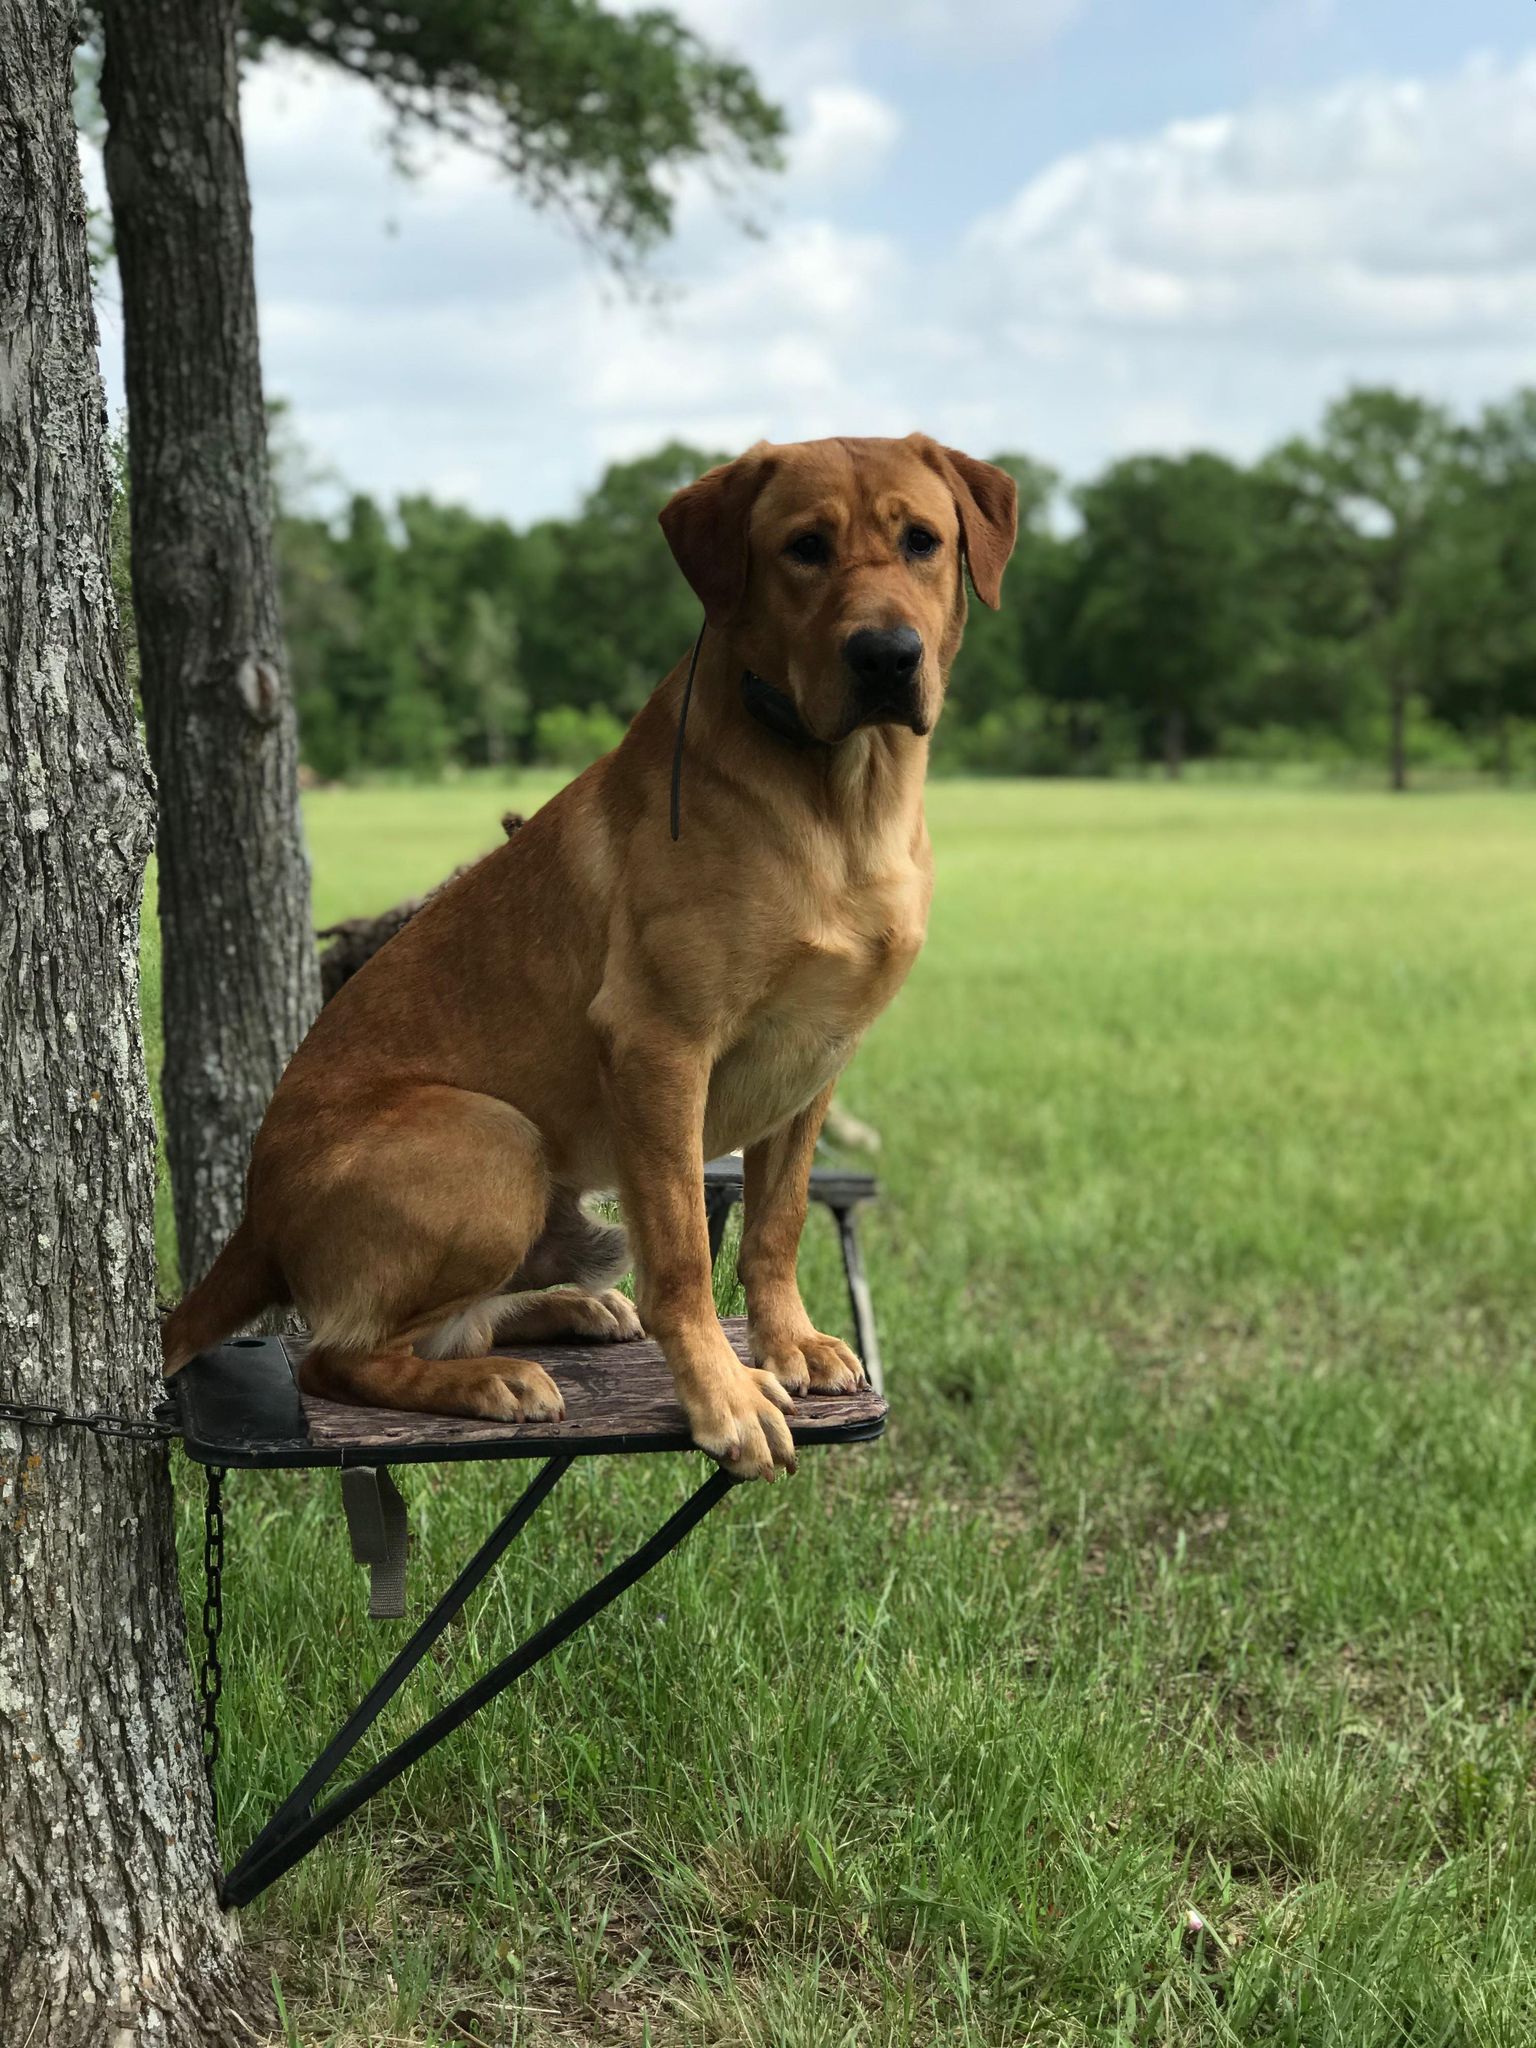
{"points": [[884, 664]]}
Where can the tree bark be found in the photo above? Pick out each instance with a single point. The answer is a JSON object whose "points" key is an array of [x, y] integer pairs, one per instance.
{"points": [[240, 980], [109, 1930]]}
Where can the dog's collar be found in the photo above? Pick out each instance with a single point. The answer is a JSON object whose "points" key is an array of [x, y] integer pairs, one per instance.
{"points": [[771, 707], [775, 712]]}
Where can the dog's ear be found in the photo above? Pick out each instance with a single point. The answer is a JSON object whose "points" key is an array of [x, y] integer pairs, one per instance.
{"points": [[987, 500], [706, 528]]}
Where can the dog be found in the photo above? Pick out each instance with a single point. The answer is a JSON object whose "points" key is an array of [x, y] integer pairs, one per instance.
{"points": [[676, 956], [353, 942]]}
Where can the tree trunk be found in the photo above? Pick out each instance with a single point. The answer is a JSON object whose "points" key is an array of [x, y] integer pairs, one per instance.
{"points": [[1399, 738], [238, 957], [109, 1930], [1173, 742]]}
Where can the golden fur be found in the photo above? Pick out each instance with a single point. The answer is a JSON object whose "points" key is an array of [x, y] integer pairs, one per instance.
{"points": [[595, 1006]]}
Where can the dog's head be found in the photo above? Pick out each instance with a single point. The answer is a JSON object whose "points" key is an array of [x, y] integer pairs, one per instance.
{"points": [[836, 568]]}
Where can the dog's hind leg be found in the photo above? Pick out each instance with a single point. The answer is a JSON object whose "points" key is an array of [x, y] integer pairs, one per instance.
{"points": [[572, 1263], [395, 1237], [492, 1389], [607, 1317]]}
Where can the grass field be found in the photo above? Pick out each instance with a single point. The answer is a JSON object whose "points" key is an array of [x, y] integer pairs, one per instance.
{"points": [[1197, 1570]]}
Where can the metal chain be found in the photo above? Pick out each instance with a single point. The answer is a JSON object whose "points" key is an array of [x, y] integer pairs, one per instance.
{"points": [[211, 1676], [137, 1429]]}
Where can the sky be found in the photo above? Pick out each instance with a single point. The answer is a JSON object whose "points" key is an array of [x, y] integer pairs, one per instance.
{"points": [[1071, 228]]}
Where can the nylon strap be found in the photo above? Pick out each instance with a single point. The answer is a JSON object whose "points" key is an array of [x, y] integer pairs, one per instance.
{"points": [[376, 1523]]}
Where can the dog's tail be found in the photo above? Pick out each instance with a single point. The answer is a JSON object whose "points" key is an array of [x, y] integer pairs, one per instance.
{"points": [[240, 1283]]}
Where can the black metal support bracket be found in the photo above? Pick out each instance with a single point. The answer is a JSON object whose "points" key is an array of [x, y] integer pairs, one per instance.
{"points": [[298, 1824], [860, 1300]]}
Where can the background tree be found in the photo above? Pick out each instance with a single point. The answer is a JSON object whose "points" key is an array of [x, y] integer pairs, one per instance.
{"points": [[1007, 711], [1166, 606], [589, 113], [483, 659], [1474, 586], [1361, 502], [109, 1930], [604, 612], [406, 637], [458, 571], [240, 980], [1307, 688]]}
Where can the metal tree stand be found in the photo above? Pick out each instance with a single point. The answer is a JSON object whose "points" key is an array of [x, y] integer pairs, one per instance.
{"points": [[239, 1408]]}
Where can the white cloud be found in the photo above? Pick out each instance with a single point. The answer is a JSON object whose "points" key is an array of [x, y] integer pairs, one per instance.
{"points": [[1382, 213], [846, 134], [1215, 280]]}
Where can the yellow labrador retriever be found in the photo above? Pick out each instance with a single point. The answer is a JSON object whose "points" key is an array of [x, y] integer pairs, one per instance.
{"points": [[619, 992]]}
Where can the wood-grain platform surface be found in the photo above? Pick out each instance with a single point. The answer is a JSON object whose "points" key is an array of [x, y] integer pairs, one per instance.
{"points": [[239, 1406]]}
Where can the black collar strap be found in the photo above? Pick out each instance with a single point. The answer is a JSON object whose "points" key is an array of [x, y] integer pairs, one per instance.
{"points": [[773, 709], [775, 712]]}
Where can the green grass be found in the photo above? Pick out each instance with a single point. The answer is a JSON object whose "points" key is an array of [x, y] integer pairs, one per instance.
{"points": [[1197, 1570]]}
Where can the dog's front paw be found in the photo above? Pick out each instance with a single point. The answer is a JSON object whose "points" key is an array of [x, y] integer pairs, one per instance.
{"points": [[739, 1419], [533, 1395], [810, 1363]]}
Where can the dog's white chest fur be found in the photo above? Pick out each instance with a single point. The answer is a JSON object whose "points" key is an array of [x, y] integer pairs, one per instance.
{"points": [[833, 983]]}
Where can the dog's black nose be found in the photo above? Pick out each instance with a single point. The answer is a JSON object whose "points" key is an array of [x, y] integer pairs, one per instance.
{"points": [[884, 660]]}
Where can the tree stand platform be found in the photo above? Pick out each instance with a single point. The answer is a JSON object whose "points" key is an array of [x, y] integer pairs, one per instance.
{"points": [[239, 1408]]}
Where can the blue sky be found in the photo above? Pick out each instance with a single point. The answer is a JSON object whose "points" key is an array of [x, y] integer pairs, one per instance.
{"points": [[1072, 227], [1120, 67]]}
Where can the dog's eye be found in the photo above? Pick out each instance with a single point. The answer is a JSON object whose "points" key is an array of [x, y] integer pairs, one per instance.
{"points": [[921, 540], [809, 549]]}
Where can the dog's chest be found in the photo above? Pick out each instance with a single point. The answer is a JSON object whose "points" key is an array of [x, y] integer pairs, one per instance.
{"points": [[834, 978]]}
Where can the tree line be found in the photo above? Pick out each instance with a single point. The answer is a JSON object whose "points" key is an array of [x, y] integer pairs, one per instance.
{"points": [[1361, 593]]}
